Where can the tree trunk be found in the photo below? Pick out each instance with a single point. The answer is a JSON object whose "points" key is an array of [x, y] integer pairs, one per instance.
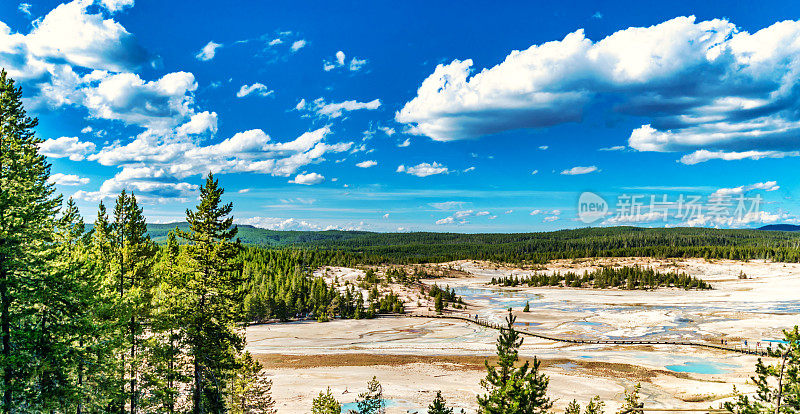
{"points": [[133, 366], [121, 229], [81, 393], [5, 321], [197, 386]]}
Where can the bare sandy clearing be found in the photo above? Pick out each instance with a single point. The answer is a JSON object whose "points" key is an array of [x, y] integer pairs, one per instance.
{"points": [[413, 357]]}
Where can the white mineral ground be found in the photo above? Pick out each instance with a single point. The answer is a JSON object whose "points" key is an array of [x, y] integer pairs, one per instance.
{"points": [[414, 357]]}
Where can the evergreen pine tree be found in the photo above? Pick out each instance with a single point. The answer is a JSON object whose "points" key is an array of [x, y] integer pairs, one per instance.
{"points": [[573, 408], [438, 406], [65, 318], [371, 401], [215, 297], [511, 389], [27, 221], [325, 403], [165, 359], [595, 406], [250, 391], [777, 386], [132, 255], [633, 403]]}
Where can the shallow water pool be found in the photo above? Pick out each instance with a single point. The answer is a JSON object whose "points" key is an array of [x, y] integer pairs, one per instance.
{"points": [[699, 367], [354, 406]]}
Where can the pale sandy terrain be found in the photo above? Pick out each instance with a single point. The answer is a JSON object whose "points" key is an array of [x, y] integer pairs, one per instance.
{"points": [[414, 357]]}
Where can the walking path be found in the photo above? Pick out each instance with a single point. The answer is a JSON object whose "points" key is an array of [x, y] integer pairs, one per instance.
{"points": [[492, 325]]}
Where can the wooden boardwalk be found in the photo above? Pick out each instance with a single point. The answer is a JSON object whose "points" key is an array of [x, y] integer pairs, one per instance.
{"points": [[492, 325]]}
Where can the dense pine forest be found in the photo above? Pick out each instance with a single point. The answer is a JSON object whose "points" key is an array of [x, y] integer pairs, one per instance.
{"points": [[568, 244], [423, 247], [626, 277], [281, 286]]}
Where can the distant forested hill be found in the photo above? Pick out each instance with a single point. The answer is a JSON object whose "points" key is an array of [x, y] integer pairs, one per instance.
{"points": [[371, 247], [780, 227], [263, 237]]}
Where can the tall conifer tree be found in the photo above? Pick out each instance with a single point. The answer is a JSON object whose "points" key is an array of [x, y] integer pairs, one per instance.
{"points": [[513, 389], [132, 254], [216, 295], [27, 219]]}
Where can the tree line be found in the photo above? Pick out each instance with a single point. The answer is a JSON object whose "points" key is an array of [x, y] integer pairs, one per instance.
{"points": [[281, 286], [533, 248], [106, 321], [625, 277]]}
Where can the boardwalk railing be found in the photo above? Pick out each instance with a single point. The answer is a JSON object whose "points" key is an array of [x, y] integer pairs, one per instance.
{"points": [[493, 325]]}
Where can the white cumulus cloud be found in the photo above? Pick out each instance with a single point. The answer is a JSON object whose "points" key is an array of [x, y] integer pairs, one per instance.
{"points": [[297, 45], [367, 164], [579, 170], [308, 179], [67, 147], [208, 51], [258, 88], [705, 155], [766, 186], [424, 169], [337, 109], [702, 85], [67, 179]]}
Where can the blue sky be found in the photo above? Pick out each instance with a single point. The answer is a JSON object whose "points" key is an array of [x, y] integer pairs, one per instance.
{"points": [[406, 116]]}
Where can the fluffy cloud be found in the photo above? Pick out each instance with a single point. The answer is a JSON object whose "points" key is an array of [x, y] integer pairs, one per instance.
{"points": [[766, 186], [275, 223], [25, 8], [116, 5], [126, 97], [750, 219], [704, 85], [357, 64], [308, 179], [201, 123], [208, 51], [579, 170], [297, 45], [69, 35], [705, 155], [336, 109], [258, 88], [367, 164], [447, 205], [424, 169], [66, 147], [446, 220], [340, 60], [156, 164], [74, 57], [461, 216], [67, 179]]}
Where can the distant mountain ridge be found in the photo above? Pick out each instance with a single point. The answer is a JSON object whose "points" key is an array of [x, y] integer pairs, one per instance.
{"points": [[537, 247], [780, 227], [261, 237]]}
